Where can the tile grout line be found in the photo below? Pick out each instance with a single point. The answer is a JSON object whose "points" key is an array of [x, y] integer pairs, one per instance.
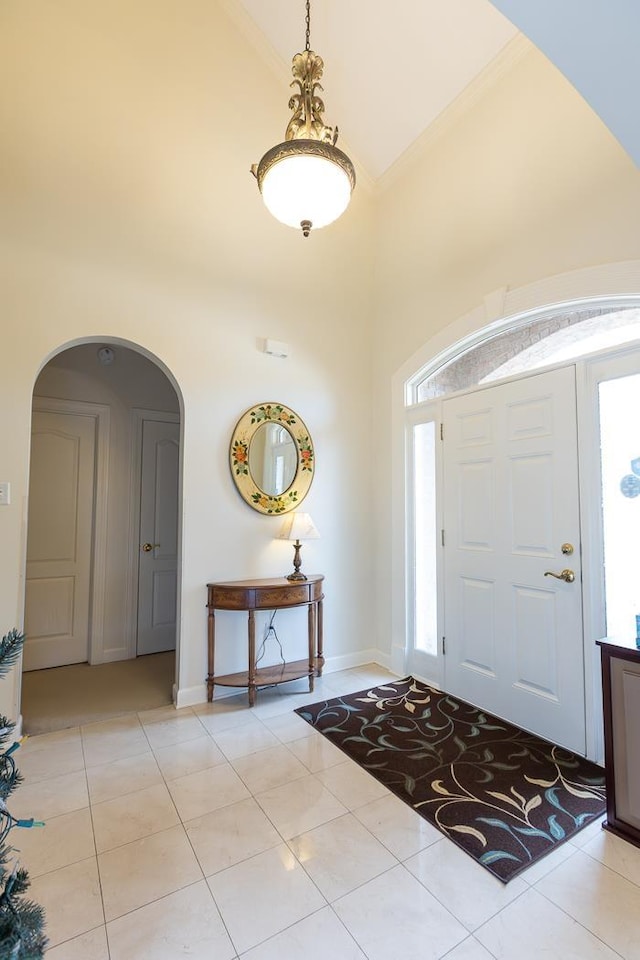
{"points": [[591, 933], [283, 840], [603, 864], [107, 922], [189, 841], [93, 837]]}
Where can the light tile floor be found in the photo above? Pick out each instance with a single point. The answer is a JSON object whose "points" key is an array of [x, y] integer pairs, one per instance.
{"points": [[223, 832]]}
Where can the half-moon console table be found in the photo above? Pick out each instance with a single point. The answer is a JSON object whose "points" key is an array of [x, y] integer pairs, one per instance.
{"points": [[276, 594]]}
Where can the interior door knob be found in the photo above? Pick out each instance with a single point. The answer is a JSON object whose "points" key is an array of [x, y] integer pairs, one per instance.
{"points": [[148, 547], [567, 575]]}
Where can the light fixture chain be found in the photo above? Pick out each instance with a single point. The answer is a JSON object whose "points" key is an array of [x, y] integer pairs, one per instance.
{"points": [[308, 25]]}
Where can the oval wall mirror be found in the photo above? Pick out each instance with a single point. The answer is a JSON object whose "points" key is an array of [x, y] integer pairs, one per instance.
{"points": [[271, 458]]}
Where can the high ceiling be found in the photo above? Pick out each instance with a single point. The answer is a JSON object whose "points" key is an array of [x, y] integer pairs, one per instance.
{"points": [[391, 68]]}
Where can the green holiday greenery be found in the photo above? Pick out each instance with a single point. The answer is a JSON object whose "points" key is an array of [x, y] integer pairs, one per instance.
{"points": [[21, 921]]}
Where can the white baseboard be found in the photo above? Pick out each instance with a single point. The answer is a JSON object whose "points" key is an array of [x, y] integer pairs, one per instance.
{"points": [[113, 655], [190, 696], [430, 682], [397, 660], [350, 660]]}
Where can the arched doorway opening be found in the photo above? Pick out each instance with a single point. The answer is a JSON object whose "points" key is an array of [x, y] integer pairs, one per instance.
{"points": [[103, 537]]}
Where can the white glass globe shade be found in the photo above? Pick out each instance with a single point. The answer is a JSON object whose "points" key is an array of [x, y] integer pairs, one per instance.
{"points": [[306, 187]]}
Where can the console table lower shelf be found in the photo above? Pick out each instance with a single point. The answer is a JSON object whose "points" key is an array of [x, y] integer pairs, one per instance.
{"points": [[275, 594]]}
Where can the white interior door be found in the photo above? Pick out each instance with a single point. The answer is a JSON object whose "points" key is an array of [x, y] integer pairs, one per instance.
{"points": [[158, 563], [59, 546], [514, 640]]}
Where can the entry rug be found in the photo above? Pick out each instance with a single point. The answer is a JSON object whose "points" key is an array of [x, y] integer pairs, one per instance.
{"points": [[504, 796]]}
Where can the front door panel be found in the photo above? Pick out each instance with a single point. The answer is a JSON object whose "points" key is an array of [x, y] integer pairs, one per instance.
{"points": [[514, 642]]}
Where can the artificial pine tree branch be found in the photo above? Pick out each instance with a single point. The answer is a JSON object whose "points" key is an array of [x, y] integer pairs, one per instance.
{"points": [[10, 649], [21, 921], [10, 776]]}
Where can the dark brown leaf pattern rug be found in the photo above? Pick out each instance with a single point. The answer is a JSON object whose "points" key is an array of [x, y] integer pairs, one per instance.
{"points": [[505, 796]]}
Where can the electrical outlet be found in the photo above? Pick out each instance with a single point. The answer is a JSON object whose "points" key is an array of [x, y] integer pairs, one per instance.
{"points": [[5, 493]]}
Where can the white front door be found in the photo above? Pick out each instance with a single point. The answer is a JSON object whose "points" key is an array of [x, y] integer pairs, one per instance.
{"points": [[158, 537], [513, 634], [59, 546]]}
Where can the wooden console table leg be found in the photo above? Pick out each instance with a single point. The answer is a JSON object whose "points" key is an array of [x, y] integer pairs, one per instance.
{"points": [[211, 637], [252, 658], [320, 652], [312, 645]]}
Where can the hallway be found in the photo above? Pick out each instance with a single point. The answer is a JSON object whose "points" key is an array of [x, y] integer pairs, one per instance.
{"points": [[77, 694]]}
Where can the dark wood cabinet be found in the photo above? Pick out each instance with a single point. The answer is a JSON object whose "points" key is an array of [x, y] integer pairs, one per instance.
{"points": [[276, 594], [621, 701]]}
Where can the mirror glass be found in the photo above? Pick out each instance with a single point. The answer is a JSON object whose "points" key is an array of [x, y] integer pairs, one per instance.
{"points": [[273, 458]]}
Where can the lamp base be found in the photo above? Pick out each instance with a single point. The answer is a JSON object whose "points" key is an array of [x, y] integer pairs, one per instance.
{"points": [[297, 563]]}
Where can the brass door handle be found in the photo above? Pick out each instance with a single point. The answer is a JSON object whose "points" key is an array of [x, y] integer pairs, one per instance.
{"points": [[567, 575], [148, 547]]}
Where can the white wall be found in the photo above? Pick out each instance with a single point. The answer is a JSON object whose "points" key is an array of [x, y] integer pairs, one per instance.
{"points": [[127, 216], [527, 185]]}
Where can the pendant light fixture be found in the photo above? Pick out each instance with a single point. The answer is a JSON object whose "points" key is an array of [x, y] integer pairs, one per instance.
{"points": [[306, 181]]}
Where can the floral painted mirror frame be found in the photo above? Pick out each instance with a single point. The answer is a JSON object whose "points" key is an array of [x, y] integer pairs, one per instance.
{"points": [[244, 431]]}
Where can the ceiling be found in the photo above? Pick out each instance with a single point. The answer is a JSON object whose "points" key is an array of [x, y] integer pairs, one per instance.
{"points": [[391, 68]]}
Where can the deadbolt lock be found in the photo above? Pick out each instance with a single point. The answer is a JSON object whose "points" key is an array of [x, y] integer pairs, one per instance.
{"points": [[567, 549]]}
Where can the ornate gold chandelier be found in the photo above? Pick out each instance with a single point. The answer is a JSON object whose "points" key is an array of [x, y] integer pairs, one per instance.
{"points": [[306, 181]]}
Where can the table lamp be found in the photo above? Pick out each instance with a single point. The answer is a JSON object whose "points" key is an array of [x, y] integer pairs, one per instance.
{"points": [[297, 526]]}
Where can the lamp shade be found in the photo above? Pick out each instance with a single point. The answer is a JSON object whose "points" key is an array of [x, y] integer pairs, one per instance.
{"points": [[306, 182], [298, 526]]}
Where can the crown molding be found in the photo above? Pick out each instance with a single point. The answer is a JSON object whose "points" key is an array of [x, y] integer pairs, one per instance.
{"points": [[256, 38], [510, 55]]}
